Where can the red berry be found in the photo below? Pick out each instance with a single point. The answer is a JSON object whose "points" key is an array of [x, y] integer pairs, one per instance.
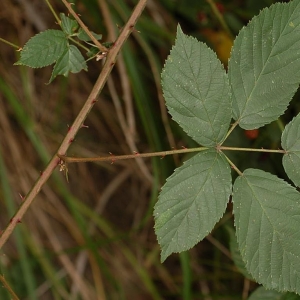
{"points": [[252, 134]]}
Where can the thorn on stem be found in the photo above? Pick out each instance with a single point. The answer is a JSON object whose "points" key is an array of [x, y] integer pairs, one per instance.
{"points": [[22, 197], [113, 159], [17, 221], [133, 29], [84, 126]]}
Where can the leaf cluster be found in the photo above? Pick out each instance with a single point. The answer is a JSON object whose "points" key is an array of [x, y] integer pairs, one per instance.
{"points": [[53, 46], [263, 75]]}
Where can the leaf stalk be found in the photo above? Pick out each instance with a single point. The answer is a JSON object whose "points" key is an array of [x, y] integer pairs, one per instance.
{"points": [[162, 154]]}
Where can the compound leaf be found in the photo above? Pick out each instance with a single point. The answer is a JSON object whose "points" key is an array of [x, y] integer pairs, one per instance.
{"points": [[193, 199], [196, 90], [43, 49], [267, 221], [290, 142], [68, 25], [264, 68], [71, 61]]}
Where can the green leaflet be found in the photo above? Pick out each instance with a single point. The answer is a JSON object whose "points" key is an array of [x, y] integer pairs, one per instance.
{"points": [[193, 199], [264, 68], [70, 61], [196, 90], [52, 46], [68, 25], [43, 49], [267, 221], [290, 142]]}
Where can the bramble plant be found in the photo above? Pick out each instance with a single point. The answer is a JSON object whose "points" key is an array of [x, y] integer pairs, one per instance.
{"points": [[263, 75]]}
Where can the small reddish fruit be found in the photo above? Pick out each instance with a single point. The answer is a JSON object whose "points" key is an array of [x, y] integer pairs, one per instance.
{"points": [[252, 134]]}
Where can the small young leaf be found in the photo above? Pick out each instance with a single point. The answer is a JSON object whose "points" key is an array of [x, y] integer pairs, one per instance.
{"points": [[71, 61], [196, 90], [193, 199], [264, 68], [43, 49], [290, 142], [85, 38], [262, 294], [267, 221], [68, 25]]}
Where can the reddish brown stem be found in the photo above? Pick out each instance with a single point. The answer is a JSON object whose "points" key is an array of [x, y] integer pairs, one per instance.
{"points": [[82, 25], [79, 121]]}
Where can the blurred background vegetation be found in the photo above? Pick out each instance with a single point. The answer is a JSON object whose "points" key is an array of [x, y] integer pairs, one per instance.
{"points": [[93, 238]]}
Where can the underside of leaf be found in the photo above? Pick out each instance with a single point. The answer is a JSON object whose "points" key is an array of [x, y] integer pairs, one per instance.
{"points": [[264, 68], [193, 199], [196, 90], [267, 221]]}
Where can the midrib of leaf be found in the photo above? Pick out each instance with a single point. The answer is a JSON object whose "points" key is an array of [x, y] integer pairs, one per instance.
{"points": [[259, 202], [206, 98], [193, 202], [266, 62], [198, 91], [196, 87]]}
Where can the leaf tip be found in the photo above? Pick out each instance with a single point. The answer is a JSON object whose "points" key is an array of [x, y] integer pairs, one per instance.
{"points": [[164, 255], [179, 30]]}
